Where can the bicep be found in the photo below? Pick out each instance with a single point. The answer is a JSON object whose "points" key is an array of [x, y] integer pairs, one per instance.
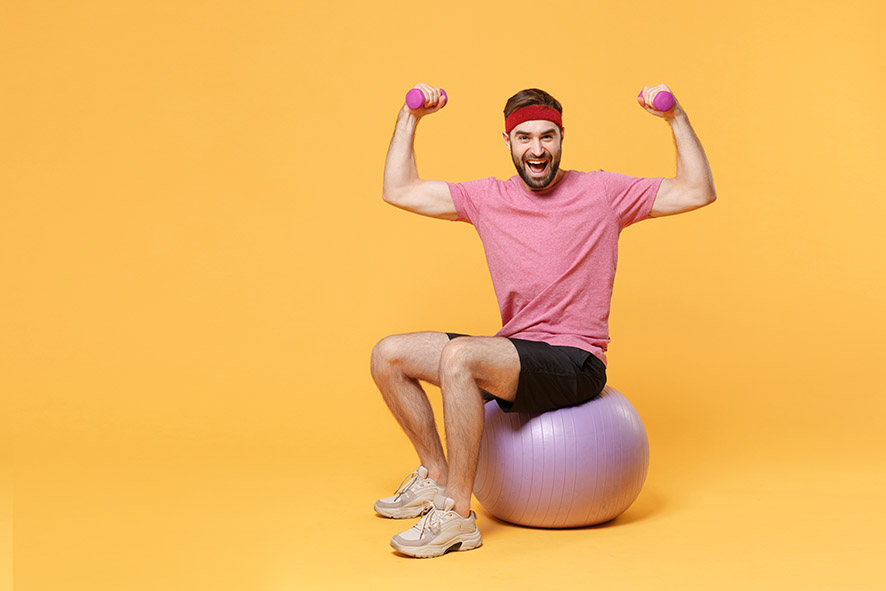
{"points": [[429, 198]]}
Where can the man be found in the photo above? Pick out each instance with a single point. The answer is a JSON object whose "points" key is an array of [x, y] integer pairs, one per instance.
{"points": [[550, 238]]}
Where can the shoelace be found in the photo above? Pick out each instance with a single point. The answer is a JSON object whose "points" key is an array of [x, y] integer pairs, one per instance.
{"points": [[405, 486], [430, 520], [434, 519]]}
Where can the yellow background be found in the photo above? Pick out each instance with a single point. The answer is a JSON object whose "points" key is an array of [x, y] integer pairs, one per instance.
{"points": [[197, 261]]}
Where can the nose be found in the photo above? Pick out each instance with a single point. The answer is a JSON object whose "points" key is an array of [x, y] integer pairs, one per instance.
{"points": [[535, 148]]}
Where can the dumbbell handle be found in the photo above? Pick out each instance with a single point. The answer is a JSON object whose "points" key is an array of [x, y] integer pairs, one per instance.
{"points": [[415, 99], [662, 101]]}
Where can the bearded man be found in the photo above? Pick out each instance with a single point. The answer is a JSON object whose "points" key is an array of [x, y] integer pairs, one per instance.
{"points": [[551, 242]]}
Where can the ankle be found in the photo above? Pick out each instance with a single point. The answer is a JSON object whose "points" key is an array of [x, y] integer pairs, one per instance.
{"points": [[463, 509], [437, 475], [462, 504]]}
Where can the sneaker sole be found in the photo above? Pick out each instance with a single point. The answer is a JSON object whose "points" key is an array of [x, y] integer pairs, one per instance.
{"points": [[402, 512], [460, 544]]}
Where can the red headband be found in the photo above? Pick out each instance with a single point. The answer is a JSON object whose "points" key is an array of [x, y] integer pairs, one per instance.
{"points": [[533, 113]]}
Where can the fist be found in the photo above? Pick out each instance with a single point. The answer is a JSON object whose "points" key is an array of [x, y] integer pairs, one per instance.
{"points": [[434, 100], [647, 101]]}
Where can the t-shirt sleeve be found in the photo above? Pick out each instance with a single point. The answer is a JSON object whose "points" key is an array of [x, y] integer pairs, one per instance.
{"points": [[468, 198], [632, 197]]}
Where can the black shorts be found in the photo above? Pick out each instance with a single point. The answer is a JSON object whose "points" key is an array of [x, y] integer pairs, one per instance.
{"points": [[551, 377]]}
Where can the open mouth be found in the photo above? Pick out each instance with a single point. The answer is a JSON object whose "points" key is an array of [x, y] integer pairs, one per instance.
{"points": [[537, 167]]}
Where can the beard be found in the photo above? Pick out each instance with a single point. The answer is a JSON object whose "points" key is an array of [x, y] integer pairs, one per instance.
{"points": [[553, 165]]}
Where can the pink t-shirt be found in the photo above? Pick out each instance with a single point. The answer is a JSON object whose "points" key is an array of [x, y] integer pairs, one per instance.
{"points": [[552, 254]]}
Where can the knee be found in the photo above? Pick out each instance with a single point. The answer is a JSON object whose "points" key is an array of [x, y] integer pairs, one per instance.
{"points": [[386, 356], [457, 358]]}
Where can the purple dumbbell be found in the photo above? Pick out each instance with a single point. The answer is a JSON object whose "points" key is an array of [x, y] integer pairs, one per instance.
{"points": [[415, 99], [662, 101]]}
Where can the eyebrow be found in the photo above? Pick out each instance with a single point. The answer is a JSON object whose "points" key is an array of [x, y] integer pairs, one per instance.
{"points": [[545, 132]]}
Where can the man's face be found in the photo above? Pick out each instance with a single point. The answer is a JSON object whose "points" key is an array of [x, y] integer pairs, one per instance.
{"points": [[535, 148]]}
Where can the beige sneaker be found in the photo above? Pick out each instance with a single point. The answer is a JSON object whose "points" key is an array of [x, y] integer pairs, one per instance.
{"points": [[414, 496], [439, 531]]}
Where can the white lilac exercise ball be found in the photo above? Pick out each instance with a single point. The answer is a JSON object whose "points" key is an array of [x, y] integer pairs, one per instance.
{"points": [[569, 467]]}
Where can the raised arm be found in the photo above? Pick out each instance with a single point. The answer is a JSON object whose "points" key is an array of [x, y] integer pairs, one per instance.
{"points": [[402, 185], [693, 185]]}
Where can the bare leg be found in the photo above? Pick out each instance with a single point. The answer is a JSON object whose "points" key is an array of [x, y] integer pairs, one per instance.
{"points": [[467, 366], [398, 363]]}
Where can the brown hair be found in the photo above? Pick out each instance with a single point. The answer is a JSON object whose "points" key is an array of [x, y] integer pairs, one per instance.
{"points": [[531, 96]]}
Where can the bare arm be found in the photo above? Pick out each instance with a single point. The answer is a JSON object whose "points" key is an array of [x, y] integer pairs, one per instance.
{"points": [[402, 185], [693, 185]]}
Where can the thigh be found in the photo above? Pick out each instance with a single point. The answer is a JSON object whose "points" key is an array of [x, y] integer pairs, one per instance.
{"points": [[493, 362]]}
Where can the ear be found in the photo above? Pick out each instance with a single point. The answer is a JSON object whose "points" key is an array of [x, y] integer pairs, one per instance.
{"points": [[507, 139]]}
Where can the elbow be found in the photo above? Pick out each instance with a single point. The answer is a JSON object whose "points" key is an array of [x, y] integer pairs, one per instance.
{"points": [[397, 193], [704, 195], [711, 195], [390, 196]]}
